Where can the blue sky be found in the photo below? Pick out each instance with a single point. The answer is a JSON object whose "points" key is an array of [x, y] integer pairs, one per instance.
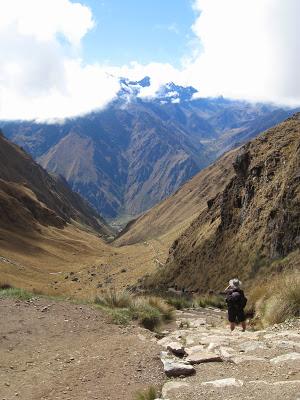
{"points": [[139, 30]]}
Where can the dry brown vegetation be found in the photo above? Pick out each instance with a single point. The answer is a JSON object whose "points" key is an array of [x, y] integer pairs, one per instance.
{"points": [[276, 299], [251, 228]]}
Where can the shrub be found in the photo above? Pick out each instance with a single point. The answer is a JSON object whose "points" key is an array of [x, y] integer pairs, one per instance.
{"points": [[149, 394]]}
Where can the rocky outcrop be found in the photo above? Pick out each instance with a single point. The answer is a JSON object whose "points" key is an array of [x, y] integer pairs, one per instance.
{"points": [[252, 223]]}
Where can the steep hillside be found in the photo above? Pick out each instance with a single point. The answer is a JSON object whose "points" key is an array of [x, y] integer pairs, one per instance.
{"points": [[51, 240], [251, 228], [167, 220], [31, 197], [136, 152]]}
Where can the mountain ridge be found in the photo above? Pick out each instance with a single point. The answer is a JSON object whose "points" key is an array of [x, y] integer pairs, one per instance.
{"points": [[136, 152]]}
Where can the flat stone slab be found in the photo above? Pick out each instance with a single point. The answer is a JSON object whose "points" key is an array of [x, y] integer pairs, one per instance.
{"points": [[196, 323], [221, 383], [170, 386], [286, 344], [176, 348], [194, 349], [252, 346], [286, 358], [176, 369], [199, 357], [242, 359]]}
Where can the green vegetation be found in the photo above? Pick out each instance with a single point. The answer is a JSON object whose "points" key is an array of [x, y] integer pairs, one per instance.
{"points": [[150, 311], [149, 394], [179, 302], [211, 301], [7, 291], [277, 299]]}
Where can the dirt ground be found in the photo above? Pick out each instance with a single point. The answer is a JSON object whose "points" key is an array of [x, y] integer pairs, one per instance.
{"points": [[58, 350]]}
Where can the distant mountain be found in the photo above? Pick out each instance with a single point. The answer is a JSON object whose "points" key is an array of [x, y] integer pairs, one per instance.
{"points": [[30, 198], [139, 150], [248, 228]]}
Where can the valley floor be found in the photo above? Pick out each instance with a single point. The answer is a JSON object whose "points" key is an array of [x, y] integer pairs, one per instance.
{"points": [[71, 262]]}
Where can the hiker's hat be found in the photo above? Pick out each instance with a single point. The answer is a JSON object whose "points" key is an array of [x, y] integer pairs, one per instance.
{"points": [[235, 283]]}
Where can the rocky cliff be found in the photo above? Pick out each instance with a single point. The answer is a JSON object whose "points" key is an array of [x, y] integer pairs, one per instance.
{"points": [[252, 227]]}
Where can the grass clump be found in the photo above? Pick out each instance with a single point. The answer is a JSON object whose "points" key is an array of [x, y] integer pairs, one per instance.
{"points": [[211, 301], [277, 300], [149, 394], [148, 316], [7, 291], [123, 307], [166, 310], [114, 299], [179, 302]]}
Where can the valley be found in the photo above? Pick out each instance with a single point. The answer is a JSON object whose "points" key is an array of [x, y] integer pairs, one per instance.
{"points": [[137, 151]]}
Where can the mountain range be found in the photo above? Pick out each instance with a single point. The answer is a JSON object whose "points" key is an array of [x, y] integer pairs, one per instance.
{"points": [[131, 155]]}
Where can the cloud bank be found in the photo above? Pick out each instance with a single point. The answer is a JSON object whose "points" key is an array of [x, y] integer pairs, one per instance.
{"points": [[247, 49], [251, 49]]}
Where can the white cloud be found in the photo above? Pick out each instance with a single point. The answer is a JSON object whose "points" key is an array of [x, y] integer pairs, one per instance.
{"points": [[251, 49], [246, 49], [41, 74]]}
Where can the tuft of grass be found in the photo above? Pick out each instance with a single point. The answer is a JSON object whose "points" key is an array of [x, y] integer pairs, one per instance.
{"points": [[6, 291], [147, 315], [276, 300], [123, 307], [179, 302], [120, 316], [115, 299], [149, 394], [211, 301], [160, 304]]}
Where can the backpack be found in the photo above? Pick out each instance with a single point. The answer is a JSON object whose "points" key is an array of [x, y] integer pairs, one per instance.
{"points": [[236, 299]]}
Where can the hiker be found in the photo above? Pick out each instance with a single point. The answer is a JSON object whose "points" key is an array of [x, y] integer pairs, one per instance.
{"points": [[236, 302]]}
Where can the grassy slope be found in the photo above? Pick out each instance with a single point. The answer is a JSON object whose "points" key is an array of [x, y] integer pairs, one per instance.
{"points": [[166, 221], [251, 229]]}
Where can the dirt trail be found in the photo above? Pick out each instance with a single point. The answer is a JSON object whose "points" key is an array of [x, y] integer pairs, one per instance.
{"points": [[63, 351], [58, 350], [262, 365]]}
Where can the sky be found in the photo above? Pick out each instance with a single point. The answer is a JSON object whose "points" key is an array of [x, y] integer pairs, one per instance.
{"points": [[62, 58]]}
